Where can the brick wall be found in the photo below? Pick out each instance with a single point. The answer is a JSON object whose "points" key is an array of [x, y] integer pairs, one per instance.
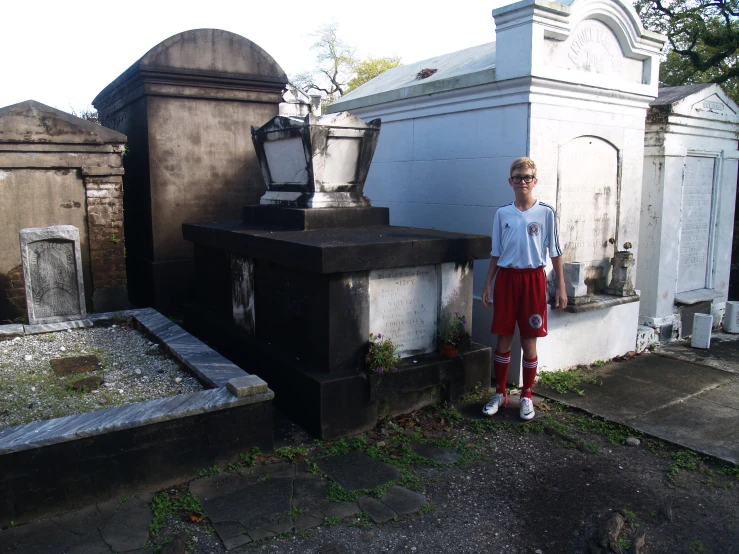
{"points": [[12, 295], [105, 231]]}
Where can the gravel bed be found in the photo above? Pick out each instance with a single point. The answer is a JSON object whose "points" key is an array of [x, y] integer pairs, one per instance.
{"points": [[133, 370]]}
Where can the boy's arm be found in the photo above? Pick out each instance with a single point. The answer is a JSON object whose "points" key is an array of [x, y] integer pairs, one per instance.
{"points": [[560, 302], [487, 291]]}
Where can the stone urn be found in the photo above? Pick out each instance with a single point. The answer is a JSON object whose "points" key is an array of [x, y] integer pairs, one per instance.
{"points": [[316, 162]]}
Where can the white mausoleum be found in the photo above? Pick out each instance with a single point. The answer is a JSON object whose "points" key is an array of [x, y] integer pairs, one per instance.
{"points": [[569, 85], [688, 199]]}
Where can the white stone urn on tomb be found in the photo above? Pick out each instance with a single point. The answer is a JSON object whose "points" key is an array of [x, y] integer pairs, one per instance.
{"points": [[316, 162]]}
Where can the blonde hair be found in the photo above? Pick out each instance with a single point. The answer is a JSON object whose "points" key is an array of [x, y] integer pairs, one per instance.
{"points": [[523, 163]]}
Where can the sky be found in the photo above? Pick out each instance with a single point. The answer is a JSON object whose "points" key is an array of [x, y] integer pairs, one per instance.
{"points": [[63, 53]]}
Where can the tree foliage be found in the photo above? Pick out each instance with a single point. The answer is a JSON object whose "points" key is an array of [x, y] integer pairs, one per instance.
{"points": [[338, 69], [366, 70], [702, 39]]}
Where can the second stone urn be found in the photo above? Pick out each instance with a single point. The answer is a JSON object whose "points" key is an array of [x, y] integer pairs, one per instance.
{"points": [[316, 162]]}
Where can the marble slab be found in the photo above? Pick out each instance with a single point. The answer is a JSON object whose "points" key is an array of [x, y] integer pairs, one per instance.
{"points": [[404, 307], [59, 326], [207, 364], [64, 429]]}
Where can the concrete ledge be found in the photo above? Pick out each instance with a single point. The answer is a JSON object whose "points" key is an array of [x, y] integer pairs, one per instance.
{"points": [[601, 302]]}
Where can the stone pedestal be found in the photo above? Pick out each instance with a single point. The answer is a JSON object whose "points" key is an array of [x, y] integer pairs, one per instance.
{"points": [[293, 294]]}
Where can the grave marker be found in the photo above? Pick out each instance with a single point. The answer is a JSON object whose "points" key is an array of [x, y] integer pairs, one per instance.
{"points": [[404, 306], [52, 269]]}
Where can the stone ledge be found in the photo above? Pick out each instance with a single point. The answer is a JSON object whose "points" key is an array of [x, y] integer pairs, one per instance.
{"points": [[11, 331], [248, 385], [68, 428], [601, 302], [59, 326], [696, 296], [207, 364]]}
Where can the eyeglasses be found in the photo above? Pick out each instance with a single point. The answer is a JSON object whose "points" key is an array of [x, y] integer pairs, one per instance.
{"points": [[526, 178]]}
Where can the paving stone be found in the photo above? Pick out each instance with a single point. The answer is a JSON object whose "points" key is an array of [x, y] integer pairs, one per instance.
{"points": [[251, 502], [302, 472], [217, 485], [128, 528], [376, 510], [281, 470], [357, 471], [340, 509], [309, 493], [81, 521], [44, 537], [402, 500], [308, 521], [236, 541], [231, 533], [91, 543], [268, 526], [437, 454]]}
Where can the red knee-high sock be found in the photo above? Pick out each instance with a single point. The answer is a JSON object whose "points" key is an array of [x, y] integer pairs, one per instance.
{"points": [[500, 365], [529, 375]]}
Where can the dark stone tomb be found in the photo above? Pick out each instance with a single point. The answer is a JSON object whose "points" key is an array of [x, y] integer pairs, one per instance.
{"points": [[293, 291]]}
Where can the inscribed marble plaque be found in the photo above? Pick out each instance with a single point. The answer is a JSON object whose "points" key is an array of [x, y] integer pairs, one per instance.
{"points": [[587, 205], [696, 223], [404, 307], [52, 270]]}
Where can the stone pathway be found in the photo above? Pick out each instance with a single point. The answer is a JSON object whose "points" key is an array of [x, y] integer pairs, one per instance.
{"points": [[249, 504], [106, 528]]}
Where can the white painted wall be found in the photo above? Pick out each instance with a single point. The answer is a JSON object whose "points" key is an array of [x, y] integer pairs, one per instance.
{"points": [[443, 156]]}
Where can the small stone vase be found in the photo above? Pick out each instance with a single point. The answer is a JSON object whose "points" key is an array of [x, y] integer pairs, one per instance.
{"points": [[449, 350]]}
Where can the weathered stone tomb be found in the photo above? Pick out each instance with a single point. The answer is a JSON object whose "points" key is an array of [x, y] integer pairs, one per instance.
{"points": [[186, 107], [59, 170], [567, 84], [690, 179]]}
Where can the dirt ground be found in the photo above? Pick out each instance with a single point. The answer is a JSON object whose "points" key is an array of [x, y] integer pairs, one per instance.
{"points": [[544, 487]]}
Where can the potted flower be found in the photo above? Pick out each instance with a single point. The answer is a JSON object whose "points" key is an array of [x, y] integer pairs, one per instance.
{"points": [[451, 334], [382, 356]]}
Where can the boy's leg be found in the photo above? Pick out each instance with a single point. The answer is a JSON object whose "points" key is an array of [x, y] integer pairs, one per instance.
{"points": [[530, 365], [532, 322], [501, 362], [504, 325]]}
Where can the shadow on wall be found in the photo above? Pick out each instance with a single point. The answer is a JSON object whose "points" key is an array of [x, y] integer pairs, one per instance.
{"points": [[12, 296], [734, 275]]}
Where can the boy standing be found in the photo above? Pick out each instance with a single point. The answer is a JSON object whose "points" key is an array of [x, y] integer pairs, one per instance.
{"points": [[522, 232]]}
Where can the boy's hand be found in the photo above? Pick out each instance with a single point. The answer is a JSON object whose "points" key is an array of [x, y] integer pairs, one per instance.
{"points": [[560, 302], [486, 292]]}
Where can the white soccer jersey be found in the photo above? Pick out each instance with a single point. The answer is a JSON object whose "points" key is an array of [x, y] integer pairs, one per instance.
{"points": [[521, 239]]}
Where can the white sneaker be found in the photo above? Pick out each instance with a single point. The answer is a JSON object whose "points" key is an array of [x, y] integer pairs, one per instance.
{"points": [[527, 409], [497, 400]]}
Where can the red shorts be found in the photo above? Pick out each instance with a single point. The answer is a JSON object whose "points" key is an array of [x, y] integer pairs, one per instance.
{"points": [[520, 295]]}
